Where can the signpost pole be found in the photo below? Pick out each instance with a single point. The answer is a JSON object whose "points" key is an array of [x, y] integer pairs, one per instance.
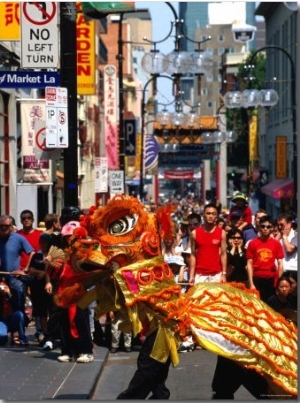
{"points": [[69, 80]]}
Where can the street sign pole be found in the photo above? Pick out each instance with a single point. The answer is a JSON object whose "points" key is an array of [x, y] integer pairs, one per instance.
{"points": [[69, 80]]}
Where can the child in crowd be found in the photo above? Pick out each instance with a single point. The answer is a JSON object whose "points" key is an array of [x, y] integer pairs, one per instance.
{"points": [[241, 205]]}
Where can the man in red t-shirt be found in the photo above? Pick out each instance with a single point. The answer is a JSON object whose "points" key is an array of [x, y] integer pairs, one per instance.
{"points": [[264, 260], [208, 250], [31, 234]]}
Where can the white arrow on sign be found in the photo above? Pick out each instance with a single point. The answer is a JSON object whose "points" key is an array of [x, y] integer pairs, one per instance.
{"points": [[116, 182], [130, 147]]}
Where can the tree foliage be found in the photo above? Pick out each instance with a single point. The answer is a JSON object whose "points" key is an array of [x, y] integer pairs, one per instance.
{"points": [[252, 73]]}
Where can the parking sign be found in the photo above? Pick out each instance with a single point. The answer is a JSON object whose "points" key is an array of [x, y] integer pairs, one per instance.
{"points": [[57, 133]]}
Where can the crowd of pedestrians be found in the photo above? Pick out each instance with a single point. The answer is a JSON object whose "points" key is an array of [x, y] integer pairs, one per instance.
{"points": [[25, 258], [239, 246], [242, 246]]}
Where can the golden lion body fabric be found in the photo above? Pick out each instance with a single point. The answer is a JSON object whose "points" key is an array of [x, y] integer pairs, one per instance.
{"points": [[222, 318], [130, 276]]}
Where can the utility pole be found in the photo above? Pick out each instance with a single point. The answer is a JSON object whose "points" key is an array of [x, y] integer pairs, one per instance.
{"points": [[68, 70]]}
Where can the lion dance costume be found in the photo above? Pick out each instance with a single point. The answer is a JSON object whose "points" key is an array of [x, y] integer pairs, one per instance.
{"points": [[115, 259]]}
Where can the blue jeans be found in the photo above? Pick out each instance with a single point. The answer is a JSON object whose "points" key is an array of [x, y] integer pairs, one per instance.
{"points": [[14, 323], [18, 291], [3, 333]]}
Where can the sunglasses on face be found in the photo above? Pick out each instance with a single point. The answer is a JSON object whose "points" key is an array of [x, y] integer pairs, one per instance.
{"points": [[266, 226], [5, 225], [236, 237]]}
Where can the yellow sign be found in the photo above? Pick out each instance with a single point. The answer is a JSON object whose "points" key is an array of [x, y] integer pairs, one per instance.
{"points": [[281, 157], [10, 21], [86, 72], [138, 151], [253, 138]]}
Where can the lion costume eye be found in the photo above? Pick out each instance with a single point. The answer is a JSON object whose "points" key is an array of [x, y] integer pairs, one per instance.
{"points": [[122, 225]]}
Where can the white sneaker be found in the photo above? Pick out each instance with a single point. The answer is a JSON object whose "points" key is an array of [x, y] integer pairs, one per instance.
{"points": [[48, 346], [64, 358], [83, 358]]}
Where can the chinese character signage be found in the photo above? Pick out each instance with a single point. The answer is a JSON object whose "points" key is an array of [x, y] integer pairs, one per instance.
{"points": [[281, 162], [110, 116], [10, 21], [34, 135]]}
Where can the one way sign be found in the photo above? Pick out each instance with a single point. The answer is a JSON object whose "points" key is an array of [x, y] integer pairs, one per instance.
{"points": [[116, 182], [130, 137]]}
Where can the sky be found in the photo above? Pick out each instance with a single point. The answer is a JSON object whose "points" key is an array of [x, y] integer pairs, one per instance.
{"points": [[162, 16]]}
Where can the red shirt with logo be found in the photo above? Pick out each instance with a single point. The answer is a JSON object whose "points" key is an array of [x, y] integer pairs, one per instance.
{"points": [[264, 254]]}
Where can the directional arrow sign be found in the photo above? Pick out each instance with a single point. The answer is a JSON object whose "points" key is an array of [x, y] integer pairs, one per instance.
{"points": [[116, 182], [130, 137]]}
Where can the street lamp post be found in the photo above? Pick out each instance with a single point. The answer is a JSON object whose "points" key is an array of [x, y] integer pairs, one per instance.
{"points": [[252, 98], [294, 118], [220, 139], [143, 125], [176, 63]]}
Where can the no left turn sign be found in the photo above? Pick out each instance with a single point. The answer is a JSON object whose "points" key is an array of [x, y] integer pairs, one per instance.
{"points": [[39, 13], [39, 35]]}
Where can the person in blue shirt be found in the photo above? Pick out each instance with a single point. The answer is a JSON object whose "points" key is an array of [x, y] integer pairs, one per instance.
{"points": [[11, 247]]}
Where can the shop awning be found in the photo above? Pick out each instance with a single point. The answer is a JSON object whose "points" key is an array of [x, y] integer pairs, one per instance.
{"points": [[279, 189]]}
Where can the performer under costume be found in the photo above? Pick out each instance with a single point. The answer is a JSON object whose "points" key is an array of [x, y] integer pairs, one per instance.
{"points": [[118, 251]]}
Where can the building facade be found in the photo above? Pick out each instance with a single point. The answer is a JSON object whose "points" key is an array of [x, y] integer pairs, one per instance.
{"points": [[278, 126]]}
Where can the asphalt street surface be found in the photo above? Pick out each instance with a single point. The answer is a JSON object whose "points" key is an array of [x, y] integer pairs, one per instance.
{"points": [[189, 380], [30, 374]]}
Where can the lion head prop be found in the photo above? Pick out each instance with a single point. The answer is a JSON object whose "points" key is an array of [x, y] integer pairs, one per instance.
{"points": [[115, 258]]}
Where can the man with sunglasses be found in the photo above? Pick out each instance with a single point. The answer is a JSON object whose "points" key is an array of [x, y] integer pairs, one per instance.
{"points": [[264, 260], [11, 247], [31, 234]]}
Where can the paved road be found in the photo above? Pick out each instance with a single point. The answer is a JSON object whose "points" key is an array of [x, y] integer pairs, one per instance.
{"points": [[29, 374], [189, 380]]}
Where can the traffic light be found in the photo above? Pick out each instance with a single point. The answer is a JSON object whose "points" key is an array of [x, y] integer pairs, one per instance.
{"points": [[235, 179]]}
